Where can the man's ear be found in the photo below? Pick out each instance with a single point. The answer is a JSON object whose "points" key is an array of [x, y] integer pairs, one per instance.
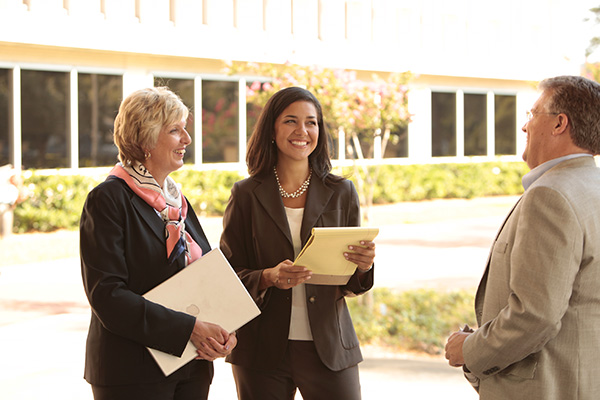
{"points": [[560, 127]]}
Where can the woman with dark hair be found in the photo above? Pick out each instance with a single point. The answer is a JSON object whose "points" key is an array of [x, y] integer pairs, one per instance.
{"points": [[304, 337]]}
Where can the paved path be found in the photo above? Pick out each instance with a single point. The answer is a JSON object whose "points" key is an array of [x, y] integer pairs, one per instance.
{"points": [[440, 244]]}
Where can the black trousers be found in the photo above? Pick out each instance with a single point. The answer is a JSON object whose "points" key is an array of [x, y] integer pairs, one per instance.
{"points": [[302, 369], [189, 388]]}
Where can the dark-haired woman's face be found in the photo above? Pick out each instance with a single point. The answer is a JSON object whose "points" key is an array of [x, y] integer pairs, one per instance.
{"points": [[297, 131]]}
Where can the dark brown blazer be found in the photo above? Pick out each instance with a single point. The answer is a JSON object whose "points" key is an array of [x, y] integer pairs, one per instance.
{"points": [[256, 235], [123, 255]]}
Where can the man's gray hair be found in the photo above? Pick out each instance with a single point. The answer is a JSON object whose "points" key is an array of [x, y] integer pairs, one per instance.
{"points": [[579, 99]]}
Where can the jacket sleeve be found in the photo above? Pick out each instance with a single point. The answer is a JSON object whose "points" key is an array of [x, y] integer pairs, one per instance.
{"points": [[107, 233], [237, 247], [359, 283]]}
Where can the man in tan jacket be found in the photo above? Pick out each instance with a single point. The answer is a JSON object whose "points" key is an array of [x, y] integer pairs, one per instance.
{"points": [[538, 303]]}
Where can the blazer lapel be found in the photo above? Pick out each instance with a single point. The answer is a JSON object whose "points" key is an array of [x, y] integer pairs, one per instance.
{"points": [[318, 198], [268, 196], [150, 217]]}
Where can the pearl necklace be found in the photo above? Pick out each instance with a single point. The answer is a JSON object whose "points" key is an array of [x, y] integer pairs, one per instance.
{"points": [[298, 192]]}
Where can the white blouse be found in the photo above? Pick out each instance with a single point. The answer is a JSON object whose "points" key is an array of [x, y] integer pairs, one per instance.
{"points": [[299, 324]]}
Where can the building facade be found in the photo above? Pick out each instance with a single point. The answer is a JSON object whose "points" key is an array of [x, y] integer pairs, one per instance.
{"points": [[65, 65]]}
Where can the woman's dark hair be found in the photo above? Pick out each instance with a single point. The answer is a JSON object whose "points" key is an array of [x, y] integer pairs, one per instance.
{"points": [[261, 156]]}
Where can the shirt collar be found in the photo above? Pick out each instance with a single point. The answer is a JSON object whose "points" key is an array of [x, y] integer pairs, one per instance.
{"points": [[538, 171]]}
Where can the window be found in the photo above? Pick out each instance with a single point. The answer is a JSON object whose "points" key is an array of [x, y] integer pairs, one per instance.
{"points": [[99, 100], [4, 117], [397, 145], [305, 19], [443, 124], [253, 110], [184, 88], [475, 113], [220, 121], [358, 20], [505, 108], [44, 119]]}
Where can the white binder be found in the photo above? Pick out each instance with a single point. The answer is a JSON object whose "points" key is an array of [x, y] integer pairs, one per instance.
{"points": [[210, 290]]}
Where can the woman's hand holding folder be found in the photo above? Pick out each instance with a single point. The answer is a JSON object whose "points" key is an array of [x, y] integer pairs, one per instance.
{"points": [[212, 341]]}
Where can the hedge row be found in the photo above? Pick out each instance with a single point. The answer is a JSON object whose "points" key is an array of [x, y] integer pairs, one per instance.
{"points": [[416, 320], [56, 201]]}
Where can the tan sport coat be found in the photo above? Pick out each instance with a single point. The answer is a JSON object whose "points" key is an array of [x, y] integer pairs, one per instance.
{"points": [[538, 303], [256, 236]]}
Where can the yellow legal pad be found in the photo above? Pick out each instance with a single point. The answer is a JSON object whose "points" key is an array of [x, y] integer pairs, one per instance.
{"points": [[324, 251]]}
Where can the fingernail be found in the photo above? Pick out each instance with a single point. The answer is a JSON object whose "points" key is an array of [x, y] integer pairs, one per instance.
{"points": [[351, 247]]}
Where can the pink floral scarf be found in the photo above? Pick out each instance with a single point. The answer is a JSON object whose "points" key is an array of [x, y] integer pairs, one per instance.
{"points": [[168, 201]]}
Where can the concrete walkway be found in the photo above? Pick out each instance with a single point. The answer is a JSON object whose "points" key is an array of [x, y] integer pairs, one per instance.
{"points": [[44, 314]]}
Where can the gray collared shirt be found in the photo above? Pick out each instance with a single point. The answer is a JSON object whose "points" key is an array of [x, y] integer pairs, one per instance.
{"points": [[538, 171]]}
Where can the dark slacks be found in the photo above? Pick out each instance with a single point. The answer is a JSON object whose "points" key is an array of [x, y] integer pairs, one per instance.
{"points": [[192, 388], [301, 368]]}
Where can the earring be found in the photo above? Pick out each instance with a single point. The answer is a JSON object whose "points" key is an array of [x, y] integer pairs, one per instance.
{"points": [[147, 155], [272, 141]]}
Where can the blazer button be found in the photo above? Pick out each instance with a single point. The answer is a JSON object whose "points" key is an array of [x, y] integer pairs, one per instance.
{"points": [[312, 299]]}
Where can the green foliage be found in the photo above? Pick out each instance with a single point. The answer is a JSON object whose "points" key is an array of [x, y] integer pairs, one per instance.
{"points": [[396, 183], [207, 191], [416, 320], [56, 201]]}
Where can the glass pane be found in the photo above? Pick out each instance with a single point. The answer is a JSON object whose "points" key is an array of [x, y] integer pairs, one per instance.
{"points": [[44, 119], [475, 124], [184, 88], [505, 108], [220, 121], [4, 113], [99, 100], [252, 110], [397, 145], [443, 124]]}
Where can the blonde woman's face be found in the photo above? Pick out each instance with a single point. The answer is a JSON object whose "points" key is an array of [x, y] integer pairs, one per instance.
{"points": [[168, 153]]}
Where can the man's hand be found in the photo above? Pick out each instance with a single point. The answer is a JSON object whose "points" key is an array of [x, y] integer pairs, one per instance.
{"points": [[454, 348]]}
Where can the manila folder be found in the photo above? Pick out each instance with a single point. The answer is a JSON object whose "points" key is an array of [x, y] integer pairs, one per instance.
{"points": [[324, 251], [211, 291]]}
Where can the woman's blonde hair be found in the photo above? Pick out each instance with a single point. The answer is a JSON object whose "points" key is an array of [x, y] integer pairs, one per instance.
{"points": [[141, 116]]}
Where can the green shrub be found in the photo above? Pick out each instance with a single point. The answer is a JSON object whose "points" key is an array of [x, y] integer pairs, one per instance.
{"points": [[56, 200], [398, 183], [207, 191], [417, 320]]}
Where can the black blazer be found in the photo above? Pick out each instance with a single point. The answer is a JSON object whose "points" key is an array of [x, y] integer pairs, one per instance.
{"points": [[256, 235], [123, 255]]}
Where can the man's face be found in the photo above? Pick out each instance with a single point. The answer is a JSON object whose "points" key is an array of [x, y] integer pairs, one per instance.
{"points": [[539, 132]]}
